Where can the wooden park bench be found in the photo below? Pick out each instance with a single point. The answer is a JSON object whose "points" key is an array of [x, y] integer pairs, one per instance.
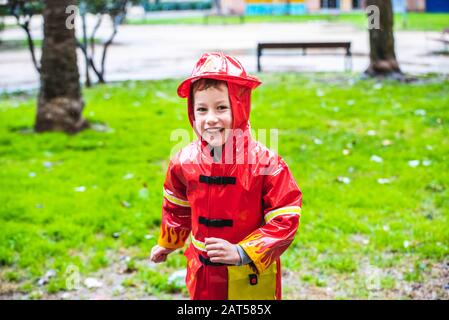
{"points": [[304, 46]]}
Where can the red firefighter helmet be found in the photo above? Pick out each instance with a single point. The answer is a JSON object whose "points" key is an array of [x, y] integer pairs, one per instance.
{"points": [[217, 65]]}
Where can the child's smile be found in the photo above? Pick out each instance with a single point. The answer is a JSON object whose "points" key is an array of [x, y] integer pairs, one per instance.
{"points": [[213, 114]]}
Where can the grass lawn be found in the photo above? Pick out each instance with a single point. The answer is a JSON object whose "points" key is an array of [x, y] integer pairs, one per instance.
{"points": [[23, 44], [411, 21], [371, 159]]}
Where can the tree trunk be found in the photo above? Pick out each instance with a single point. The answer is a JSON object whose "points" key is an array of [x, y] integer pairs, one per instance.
{"points": [[382, 54], [60, 103]]}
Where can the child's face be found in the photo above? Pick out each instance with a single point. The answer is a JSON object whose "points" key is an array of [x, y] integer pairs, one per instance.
{"points": [[213, 114]]}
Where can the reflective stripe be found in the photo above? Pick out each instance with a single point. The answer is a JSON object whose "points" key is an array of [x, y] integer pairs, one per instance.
{"points": [[285, 210], [173, 199], [197, 244]]}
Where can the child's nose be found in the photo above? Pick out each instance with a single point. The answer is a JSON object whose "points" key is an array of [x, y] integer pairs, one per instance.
{"points": [[211, 118]]}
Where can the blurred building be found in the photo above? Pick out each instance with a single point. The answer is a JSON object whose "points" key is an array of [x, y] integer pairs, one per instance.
{"points": [[255, 7]]}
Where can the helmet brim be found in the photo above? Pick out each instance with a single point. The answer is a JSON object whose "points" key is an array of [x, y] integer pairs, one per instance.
{"points": [[248, 81]]}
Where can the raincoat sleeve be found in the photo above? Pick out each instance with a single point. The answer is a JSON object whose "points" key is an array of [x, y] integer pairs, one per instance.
{"points": [[176, 214], [282, 201]]}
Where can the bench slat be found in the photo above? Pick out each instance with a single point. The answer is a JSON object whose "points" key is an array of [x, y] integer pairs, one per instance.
{"points": [[304, 45]]}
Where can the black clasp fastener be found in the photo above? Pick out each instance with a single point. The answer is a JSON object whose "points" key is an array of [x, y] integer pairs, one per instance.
{"points": [[217, 180], [215, 222], [252, 279], [207, 262]]}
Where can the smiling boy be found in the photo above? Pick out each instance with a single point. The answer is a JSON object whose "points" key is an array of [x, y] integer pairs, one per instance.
{"points": [[236, 198]]}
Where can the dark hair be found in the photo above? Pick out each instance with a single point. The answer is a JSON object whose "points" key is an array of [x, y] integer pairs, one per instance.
{"points": [[206, 83]]}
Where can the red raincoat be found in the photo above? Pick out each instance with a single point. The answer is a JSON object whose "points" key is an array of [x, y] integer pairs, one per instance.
{"points": [[250, 198]]}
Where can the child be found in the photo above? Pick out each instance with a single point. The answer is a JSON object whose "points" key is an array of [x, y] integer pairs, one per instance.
{"points": [[236, 198]]}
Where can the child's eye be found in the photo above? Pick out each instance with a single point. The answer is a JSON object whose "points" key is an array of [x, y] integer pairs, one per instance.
{"points": [[200, 109], [222, 107]]}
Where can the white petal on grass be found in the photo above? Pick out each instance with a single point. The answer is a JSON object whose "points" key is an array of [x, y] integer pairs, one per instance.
{"points": [[319, 93], [345, 152], [47, 164], [413, 163], [317, 141], [360, 239], [377, 159], [387, 143], [429, 147], [66, 296], [426, 163], [163, 95], [384, 180], [377, 86], [386, 228], [420, 112], [371, 132], [350, 102], [406, 244], [143, 193], [80, 189], [126, 204], [46, 278], [333, 123], [344, 180], [177, 278], [32, 174], [128, 176], [92, 283]]}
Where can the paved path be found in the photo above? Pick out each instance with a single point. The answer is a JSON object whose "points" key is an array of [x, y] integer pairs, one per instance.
{"points": [[165, 51]]}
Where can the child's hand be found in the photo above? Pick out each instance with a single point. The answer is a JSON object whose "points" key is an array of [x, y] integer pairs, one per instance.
{"points": [[159, 254], [222, 251]]}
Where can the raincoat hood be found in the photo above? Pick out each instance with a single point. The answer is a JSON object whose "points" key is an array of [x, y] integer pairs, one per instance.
{"points": [[217, 65]]}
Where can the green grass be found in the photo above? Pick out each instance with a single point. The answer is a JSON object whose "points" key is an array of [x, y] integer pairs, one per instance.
{"points": [[23, 44], [345, 228], [411, 21]]}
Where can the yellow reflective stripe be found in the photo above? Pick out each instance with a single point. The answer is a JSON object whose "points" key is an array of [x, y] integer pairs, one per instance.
{"points": [[197, 244], [285, 210], [172, 199]]}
